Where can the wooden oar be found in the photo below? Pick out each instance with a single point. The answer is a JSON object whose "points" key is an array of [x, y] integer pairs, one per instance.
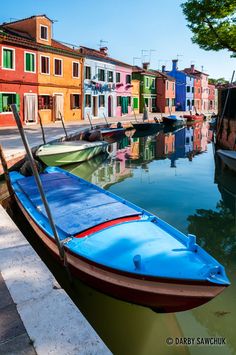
{"points": [[42, 129], [63, 125]]}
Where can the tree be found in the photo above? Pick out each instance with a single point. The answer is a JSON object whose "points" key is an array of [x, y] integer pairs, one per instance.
{"points": [[219, 81], [213, 23]]}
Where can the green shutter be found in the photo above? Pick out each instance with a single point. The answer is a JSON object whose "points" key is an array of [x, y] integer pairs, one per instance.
{"points": [[18, 102], [29, 61], [135, 102], [0, 102], [7, 58]]}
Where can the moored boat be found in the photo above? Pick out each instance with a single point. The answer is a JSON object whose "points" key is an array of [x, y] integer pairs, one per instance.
{"points": [[173, 120], [118, 248], [228, 157], [193, 118], [68, 152]]}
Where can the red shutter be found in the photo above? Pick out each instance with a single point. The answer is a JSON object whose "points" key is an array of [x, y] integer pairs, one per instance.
{"points": [[71, 101], [51, 102], [40, 102]]}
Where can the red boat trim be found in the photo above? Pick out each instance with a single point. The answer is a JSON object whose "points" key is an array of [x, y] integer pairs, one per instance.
{"points": [[106, 225]]}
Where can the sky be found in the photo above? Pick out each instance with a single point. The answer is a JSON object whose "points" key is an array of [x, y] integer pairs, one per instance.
{"points": [[129, 28]]}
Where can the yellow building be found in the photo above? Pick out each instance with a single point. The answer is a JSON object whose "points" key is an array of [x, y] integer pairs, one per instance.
{"points": [[59, 69], [135, 95]]}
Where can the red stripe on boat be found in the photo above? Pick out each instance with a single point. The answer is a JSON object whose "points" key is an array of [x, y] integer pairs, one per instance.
{"points": [[106, 225]]}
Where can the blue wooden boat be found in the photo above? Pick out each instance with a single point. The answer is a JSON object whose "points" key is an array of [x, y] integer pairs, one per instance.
{"points": [[173, 120], [118, 248]]}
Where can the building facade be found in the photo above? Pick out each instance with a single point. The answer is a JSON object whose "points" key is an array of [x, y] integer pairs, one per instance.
{"points": [[46, 75], [165, 92], [148, 94], [135, 95]]}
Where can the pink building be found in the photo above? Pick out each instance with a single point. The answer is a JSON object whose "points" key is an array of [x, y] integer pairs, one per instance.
{"points": [[123, 89]]}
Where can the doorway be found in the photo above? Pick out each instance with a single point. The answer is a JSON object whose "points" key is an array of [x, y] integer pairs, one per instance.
{"points": [[30, 108], [110, 106], [58, 106], [95, 106], [124, 104]]}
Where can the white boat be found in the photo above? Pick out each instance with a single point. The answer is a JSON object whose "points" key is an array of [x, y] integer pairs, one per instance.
{"points": [[228, 157], [68, 152]]}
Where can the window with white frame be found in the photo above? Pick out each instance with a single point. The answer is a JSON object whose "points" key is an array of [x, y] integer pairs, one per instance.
{"points": [[75, 101], [87, 72], [57, 67], [8, 58], [110, 76], [7, 99], [44, 32], [153, 83], [75, 69], [146, 82], [88, 100], [44, 65], [30, 62], [118, 77], [101, 74], [101, 100]]}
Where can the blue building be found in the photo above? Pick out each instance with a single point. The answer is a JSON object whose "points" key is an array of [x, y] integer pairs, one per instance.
{"points": [[184, 88]]}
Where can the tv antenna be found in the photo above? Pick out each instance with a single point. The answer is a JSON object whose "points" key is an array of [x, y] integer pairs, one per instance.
{"points": [[101, 43], [136, 58], [143, 55], [178, 56]]}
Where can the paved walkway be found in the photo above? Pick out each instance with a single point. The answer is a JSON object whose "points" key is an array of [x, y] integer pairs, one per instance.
{"points": [[36, 314]]}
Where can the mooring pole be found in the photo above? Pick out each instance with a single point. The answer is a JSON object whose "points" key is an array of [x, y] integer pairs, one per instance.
{"points": [[42, 129], [5, 170], [106, 120], [63, 125], [90, 121], [38, 182]]}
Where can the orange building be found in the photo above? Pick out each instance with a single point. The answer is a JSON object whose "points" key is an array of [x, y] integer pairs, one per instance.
{"points": [[135, 95], [165, 92], [59, 70]]}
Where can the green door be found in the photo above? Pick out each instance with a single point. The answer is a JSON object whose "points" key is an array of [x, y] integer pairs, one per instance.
{"points": [[124, 104]]}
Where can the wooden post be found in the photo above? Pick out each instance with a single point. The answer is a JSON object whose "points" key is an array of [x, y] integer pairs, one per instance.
{"points": [[5, 169], [63, 125], [42, 129]]}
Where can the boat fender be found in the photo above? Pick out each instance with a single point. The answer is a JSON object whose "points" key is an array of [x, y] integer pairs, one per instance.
{"points": [[191, 244], [137, 261], [214, 270]]}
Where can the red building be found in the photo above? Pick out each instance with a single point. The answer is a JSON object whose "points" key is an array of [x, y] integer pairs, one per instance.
{"points": [[165, 144], [211, 97], [18, 78], [165, 92]]}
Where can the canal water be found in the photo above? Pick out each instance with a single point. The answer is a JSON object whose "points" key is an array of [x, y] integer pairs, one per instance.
{"points": [[176, 175]]}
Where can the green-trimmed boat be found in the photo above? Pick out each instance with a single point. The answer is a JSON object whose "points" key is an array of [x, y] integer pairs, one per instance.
{"points": [[69, 152]]}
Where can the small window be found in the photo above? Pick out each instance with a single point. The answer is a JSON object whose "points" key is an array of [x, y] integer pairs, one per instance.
{"points": [[153, 83], [58, 67], [193, 89], [192, 102], [173, 87], [118, 77], [128, 79], [101, 74], [45, 65], [8, 61], [188, 88], [110, 76], [75, 101], [30, 62], [146, 82], [118, 100], [173, 102], [101, 100], [167, 84], [44, 32], [45, 102], [7, 99], [88, 100], [129, 100], [75, 69], [187, 140], [188, 102], [167, 102], [87, 72]]}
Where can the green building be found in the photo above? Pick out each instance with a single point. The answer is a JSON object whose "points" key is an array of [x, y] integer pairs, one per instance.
{"points": [[148, 92]]}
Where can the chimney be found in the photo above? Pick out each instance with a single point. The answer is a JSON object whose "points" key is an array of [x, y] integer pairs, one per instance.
{"points": [[104, 50], [163, 68], [192, 68], [174, 64], [146, 65]]}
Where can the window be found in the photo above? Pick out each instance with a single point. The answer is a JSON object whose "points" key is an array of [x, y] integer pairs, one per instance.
{"points": [[44, 32], [101, 100], [173, 102], [135, 103], [129, 100], [188, 88], [8, 58], [153, 83], [45, 65], [45, 102], [146, 82], [88, 100], [128, 79], [110, 76], [187, 140], [188, 103], [173, 87], [75, 69], [167, 84], [118, 100], [118, 77], [193, 89], [153, 102], [30, 62], [87, 72], [6, 99], [167, 102], [75, 101], [58, 67], [192, 102], [101, 74]]}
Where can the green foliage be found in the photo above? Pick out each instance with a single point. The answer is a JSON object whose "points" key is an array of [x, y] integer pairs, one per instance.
{"points": [[219, 81], [213, 23]]}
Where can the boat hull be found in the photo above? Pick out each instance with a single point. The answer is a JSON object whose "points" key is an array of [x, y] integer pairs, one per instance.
{"points": [[229, 158], [163, 295], [64, 158]]}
